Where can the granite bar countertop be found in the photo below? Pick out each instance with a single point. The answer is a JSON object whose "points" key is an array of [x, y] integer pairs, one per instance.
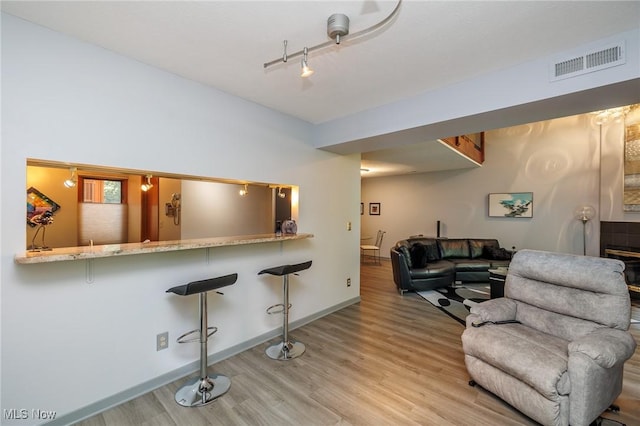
{"points": [[110, 250]]}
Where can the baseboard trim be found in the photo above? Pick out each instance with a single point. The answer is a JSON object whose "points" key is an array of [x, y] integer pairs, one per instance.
{"points": [[164, 379]]}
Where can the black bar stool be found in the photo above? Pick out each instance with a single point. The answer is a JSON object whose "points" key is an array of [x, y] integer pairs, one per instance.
{"points": [[202, 390], [287, 349]]}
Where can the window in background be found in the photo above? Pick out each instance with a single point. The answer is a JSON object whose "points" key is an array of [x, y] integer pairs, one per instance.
{"points": [[101, 191]]}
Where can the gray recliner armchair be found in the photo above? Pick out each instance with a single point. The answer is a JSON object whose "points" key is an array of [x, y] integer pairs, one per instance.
{"points": [[554, 347]]}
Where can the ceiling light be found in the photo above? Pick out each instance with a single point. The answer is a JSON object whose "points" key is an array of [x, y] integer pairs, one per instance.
{"points": [[280, 193], [148, 185], [306, 70], [244, 191], [337, 29], [71, 182]]}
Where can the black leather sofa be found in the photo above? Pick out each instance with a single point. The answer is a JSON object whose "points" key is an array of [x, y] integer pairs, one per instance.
{"points": [[421, 263]]}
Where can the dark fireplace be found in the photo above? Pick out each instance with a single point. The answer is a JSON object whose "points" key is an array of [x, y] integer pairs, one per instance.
{"points": [[621, 240]]}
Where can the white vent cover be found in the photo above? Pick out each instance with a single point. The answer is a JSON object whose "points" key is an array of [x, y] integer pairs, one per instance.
{"points": [[590, 61]]}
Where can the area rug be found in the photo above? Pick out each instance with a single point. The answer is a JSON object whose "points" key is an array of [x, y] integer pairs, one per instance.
{"points": [[457, 301]]}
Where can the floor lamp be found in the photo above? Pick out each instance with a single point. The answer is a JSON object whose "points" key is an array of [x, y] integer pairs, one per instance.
{"points": [[584, 214]]}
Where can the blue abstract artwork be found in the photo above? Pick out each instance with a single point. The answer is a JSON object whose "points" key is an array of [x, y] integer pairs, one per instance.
{"points": [[511, 204]]}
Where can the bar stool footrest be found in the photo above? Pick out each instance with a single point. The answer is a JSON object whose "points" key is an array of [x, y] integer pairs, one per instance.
{"points": [[270, 309], [211, 331]]}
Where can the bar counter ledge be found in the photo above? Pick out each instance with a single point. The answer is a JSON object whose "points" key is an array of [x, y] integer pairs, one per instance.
{"points": [[110, 250]]}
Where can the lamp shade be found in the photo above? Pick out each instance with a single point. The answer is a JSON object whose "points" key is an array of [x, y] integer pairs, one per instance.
{"points": [[584, 213]]}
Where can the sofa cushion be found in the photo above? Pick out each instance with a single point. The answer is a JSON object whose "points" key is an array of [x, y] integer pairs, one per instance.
{"points": [[545, 366], [404, 250], [454, 248], [477, 245], [418, 255], [463, 265], [433, 269], [433, 254]]}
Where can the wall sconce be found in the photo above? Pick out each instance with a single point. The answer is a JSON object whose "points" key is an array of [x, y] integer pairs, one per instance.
{"points": [[148, 185], [71, 182], [244, 191], [280, 193]]}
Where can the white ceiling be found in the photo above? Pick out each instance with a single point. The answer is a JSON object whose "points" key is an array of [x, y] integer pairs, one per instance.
{"points": [[430, 44]]}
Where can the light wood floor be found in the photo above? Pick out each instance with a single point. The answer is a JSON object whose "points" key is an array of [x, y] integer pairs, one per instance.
{"points": [[389, 360]]}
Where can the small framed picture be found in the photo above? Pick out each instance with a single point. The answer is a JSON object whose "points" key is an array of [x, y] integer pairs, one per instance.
{"points": [[361, 208], [374, 209], [511, 204]]}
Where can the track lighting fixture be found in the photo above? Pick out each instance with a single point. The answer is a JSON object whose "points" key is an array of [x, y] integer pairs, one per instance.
{"points": [[147, 185], [280, 193], [306, 70], [244, 191], [337, 30], [73, 180]]}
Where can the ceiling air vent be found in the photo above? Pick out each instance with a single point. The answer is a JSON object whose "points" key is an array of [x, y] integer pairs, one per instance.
{"points": [[590, 61]]}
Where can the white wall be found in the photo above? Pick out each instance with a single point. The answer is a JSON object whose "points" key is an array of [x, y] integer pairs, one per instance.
{"points": [[558, 160], [67, 343]]}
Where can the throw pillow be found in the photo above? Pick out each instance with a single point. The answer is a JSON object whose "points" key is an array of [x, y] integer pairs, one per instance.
{"points": [[418, 255], [432, 252], [496, 253]]}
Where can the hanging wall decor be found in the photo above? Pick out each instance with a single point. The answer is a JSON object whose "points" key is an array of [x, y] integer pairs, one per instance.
{"points": [[37, 205], [511, 204], [631, 190]]}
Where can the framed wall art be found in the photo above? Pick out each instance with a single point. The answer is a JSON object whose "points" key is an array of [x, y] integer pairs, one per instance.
{"points": [[374, 209], [511, 204]]}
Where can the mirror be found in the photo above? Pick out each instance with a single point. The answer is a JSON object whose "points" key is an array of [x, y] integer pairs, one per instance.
{"points": [[104, 205]]}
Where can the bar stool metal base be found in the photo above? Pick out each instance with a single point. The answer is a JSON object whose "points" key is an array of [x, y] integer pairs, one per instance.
{"points": [[284, 351], [198, 392]]}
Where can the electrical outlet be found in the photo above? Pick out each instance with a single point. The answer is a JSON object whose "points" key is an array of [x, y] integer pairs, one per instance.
{"points": [[348, 282], [162, 341]]}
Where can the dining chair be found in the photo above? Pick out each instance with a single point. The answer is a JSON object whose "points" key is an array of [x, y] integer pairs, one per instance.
{"points": [[372, 250]]}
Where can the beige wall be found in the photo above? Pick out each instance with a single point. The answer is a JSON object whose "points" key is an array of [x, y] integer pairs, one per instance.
{"points": [[168, 228], [63, 231], [213, 209], [558, 160]]}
